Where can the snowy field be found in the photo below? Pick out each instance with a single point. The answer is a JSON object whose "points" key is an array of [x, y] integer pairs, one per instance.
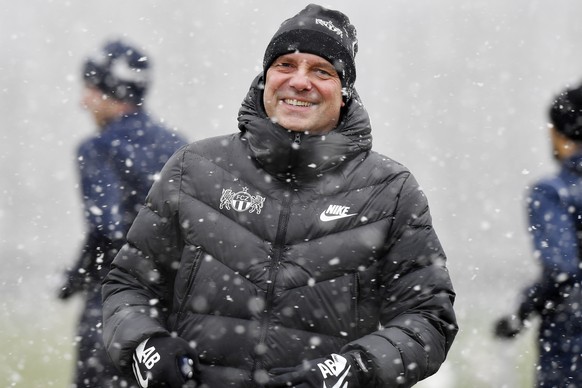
{"points": [[456, 90]]}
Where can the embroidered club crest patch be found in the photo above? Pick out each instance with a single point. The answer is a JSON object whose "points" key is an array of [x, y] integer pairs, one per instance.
{"points": [[241, 201]]}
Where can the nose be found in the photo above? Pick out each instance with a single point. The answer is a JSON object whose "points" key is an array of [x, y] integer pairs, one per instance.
{"points": [[84, 100], [86, 97], [300, 80]]}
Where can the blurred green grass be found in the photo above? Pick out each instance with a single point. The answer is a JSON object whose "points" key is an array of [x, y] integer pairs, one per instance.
{"points": [[37, 349]]}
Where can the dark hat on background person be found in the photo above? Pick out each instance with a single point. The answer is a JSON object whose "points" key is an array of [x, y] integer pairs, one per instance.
{"points": [[320, 31], [119, 70], [566, 113]]}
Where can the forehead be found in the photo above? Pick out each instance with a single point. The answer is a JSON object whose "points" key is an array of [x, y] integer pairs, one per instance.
{"points": [[310, 59], [89, 88]]}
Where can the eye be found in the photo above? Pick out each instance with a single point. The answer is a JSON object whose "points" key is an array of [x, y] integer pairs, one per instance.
{"points": [[324, 72], [282, 64]]}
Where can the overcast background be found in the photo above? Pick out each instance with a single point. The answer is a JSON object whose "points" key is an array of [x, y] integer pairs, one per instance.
{"points": [[456, 90]]}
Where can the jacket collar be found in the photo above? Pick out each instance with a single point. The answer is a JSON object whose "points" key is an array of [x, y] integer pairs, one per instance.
{"points": [[574, 163], [294, 156], [124, 120]]}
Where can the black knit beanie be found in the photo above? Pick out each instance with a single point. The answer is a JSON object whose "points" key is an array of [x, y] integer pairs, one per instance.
{"points": [[320, 31], [119, 70], [566, 113]]}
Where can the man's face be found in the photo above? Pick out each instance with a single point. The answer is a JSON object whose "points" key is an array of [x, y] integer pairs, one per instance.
{"points": [[562, 147], [98, 104], [303, 93]]}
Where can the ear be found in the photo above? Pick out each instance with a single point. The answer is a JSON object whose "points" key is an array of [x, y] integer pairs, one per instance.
{"points": [[563, 146]]}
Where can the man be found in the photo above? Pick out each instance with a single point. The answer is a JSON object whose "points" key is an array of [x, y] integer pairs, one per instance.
{"points": [[117, 166], [554, 207], [288, 254]]}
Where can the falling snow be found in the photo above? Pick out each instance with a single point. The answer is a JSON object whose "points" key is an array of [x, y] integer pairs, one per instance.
{"points": [[457, 91]]}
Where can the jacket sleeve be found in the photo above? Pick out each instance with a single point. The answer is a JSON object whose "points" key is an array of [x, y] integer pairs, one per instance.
{"points": [[137, 289], [553, 233], [417, 321], [101, 189], [100, 195]]}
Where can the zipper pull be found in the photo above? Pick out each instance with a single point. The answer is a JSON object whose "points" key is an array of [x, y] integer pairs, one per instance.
{"points": [[297, 140]]}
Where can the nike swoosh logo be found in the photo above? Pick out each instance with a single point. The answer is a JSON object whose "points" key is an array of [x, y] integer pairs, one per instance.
{"points": [[325, 218], [142, 382], [339, 383]]}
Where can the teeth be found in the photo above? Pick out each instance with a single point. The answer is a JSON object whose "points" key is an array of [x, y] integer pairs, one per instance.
{"points": [[297, 102]]}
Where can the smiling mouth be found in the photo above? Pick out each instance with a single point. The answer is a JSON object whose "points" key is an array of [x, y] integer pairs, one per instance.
{"points": [[294, 102]]}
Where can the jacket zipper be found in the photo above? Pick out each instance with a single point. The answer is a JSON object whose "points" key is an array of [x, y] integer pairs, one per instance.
{"points": [[356, 296], [191, 277], [294, 148], [276, 260], [274, 269]]}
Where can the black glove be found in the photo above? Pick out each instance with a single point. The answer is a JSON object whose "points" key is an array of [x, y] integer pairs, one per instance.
{"points": [[74, 282], [168, 362], [347, 370], [508, 327]]}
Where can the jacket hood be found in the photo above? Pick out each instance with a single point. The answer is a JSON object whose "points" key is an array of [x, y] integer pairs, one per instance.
{"points": [[294, 156]]}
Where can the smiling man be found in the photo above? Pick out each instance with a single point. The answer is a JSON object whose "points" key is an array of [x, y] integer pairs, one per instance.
{"points": [[288, 254], [303, 93]]}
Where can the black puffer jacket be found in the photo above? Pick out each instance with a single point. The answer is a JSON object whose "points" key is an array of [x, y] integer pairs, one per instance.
{"points": [[267, 248]]}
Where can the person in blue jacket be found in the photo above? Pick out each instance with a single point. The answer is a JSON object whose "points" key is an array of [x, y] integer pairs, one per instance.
{"points": [[117, 165], [554, 208]]}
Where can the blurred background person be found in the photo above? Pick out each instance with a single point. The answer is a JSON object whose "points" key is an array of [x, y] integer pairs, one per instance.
{"points": [[117, 165], [554, 209]]}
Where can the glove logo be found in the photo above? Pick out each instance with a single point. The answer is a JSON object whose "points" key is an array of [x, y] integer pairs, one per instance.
{"points": [[333, 368], [143, 382], [147, 357]]}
